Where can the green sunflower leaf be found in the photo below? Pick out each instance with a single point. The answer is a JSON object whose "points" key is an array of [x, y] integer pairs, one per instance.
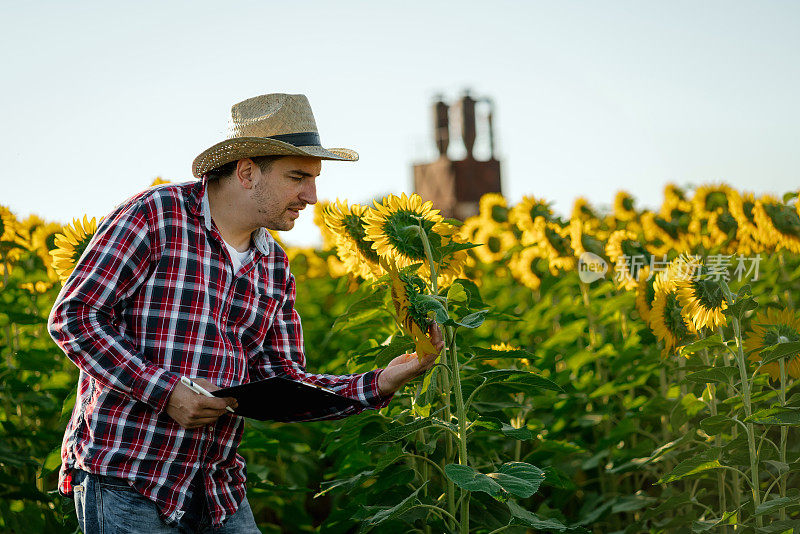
{"points": [[513, 478], [473, 320], [716, 424], [704, 461], [744, 303], [713, 374], [785, 416], [780, 350], [521, 516]]}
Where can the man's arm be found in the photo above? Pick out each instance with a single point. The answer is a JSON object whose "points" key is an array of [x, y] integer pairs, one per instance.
{"points": [[82, 321], [283, 355]]}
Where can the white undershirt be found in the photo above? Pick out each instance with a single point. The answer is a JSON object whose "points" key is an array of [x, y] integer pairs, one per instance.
{"points": [[236, 256]]}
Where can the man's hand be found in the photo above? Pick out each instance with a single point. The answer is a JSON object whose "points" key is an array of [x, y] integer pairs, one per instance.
{"points": [[408, 366], [192, 410]]}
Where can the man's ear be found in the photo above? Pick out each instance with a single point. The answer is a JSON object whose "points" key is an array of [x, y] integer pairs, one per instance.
{"points": [[244, 174]]}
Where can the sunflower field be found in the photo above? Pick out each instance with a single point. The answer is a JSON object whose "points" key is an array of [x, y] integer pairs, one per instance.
{"points": [[617, 371]]}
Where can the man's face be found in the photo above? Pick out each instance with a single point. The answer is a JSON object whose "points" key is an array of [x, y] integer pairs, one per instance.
{"points": [[286, 188]]}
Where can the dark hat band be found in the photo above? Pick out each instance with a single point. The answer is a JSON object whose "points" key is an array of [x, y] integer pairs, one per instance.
{"points": [[299, 139]]}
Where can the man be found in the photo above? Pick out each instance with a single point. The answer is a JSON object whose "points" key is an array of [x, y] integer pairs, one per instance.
{"points": [[185, 280]]}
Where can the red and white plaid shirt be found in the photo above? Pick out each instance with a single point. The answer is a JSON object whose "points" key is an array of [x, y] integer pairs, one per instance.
{"points": [[155, 297]]}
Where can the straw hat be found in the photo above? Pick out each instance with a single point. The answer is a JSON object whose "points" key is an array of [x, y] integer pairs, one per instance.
{"points": [[269, 125]]}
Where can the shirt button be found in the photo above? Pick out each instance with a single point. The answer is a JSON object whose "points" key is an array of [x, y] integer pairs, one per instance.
{"points": [[230, 354]]}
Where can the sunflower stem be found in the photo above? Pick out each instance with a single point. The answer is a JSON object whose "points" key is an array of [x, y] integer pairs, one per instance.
{"points": [[732, 391], [784, 434], [463, 459], [712, 406], [451, 350], [748, 407]]}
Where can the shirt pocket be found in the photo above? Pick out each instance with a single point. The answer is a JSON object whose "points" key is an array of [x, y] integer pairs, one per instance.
{"points": [[251, 318]]}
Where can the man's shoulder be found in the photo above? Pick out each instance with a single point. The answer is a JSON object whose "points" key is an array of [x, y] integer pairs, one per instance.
{"points": [[159, 199]]}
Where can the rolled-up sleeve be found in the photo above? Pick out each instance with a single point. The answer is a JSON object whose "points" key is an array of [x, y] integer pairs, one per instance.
{"points": [[83, 319]]}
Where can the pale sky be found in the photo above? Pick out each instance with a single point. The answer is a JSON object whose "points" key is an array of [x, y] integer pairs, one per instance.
{"points": [[99, 98]]}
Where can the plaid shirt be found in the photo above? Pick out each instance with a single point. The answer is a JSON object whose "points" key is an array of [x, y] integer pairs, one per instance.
{"points": [[155, 297]]}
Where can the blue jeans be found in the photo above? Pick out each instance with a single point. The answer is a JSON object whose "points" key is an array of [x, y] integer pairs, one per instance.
{"points": [[108, 505]]}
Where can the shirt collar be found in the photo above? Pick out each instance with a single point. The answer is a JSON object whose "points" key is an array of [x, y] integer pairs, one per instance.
{"points": [[262, 239]]}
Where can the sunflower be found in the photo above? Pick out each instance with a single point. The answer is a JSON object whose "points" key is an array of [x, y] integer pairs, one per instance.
{"points": [[470, 228], [159, 181], [645, 293], [584, 212], [493, 207], [723, 230], [666, 318], [9, 241], [336, 267], [659, 234], [354, 248], [26, 227], [741, 208], [411, 315], [496, 241], [553, 242], [778, 224], [70, 245], [43, 240], [624, 206], [628, 256], [328, 236], [769, 329], [524, 214], [523, 267], [582, 240], [675, 203], [700, 296], [393, 227], [708, 199]]}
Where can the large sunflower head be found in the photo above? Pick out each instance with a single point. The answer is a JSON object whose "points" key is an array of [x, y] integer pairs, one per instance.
{"points": [[412, 317], [524, 267], [624, 206], [525, 213], [493, 207], [778, 224], [628, 256], [394, 227], [771, 328], [700, 293], [70, 245], [348, 224], [666, 318]]}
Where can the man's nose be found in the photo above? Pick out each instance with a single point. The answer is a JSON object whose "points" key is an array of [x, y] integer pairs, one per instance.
{"points": [[309, 192]]}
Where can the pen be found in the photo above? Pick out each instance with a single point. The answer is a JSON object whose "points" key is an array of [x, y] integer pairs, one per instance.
{"points": [[197, 389]]}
